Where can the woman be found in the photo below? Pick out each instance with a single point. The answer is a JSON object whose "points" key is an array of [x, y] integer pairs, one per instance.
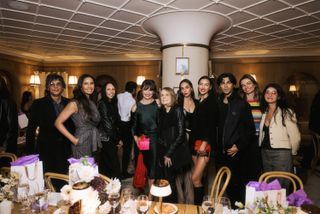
{"points": [[249, 91], [279, 135], [186, 101], [171, 139], [108, 129], [203, 134], [145, 122], [86, 118], [26, 102]]}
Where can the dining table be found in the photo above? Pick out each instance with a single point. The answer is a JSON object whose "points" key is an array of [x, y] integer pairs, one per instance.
{"points": [[182, 209]]}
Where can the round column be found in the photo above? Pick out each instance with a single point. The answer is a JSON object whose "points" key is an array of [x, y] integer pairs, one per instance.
{"points": [[185, 35]]}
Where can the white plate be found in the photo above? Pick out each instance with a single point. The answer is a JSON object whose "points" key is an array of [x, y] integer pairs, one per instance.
{"points": [[166, 204]]}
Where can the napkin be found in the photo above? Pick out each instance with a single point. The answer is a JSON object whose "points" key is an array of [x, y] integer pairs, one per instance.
{"points": [[298, 198]]}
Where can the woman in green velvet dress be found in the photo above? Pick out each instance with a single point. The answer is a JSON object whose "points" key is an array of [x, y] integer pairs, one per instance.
{"points": [[145, 122]]}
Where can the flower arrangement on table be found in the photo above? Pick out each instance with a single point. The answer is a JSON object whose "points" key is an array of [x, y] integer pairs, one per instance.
{"points": [[94, 194], [7, 186], [270, 198]]}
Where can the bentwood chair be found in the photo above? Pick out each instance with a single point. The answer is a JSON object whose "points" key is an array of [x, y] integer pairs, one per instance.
{"points": [[49, 176], [7, 157], [281, 174], [105, 178], [216, 192]]}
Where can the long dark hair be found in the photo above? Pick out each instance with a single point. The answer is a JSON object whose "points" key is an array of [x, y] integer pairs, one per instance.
{"points": [[82, 98], [104, 97], [282, 102], [4, 91], [180, 95], [257, 92], [212, 84]]}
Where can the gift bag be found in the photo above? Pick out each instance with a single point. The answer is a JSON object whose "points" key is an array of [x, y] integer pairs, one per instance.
{"points": [[272, 192], [144, 143], [140, 175], [30, 170], [83, 169]]}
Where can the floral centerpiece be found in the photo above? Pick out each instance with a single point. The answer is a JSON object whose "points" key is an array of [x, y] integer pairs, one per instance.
{"points": [[83, 169], [7, 186]]}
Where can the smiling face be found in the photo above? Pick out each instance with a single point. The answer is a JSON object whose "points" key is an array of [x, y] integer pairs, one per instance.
{"points": [[247, 86], [87, 86], [271, 95], [226, 86], [110, 91], [185, 89], [147, 94], [204, 87], [165, 98], [55, 88]]}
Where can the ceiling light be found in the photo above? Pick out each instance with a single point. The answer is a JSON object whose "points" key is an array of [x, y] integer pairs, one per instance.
{"points": [[18, 5]]}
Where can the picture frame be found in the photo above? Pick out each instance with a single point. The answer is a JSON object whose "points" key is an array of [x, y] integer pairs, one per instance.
{"points": [[182, 65]]}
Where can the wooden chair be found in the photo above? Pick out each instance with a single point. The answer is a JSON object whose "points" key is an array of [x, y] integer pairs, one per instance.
{"points": [[281, 174], [105, 178], [9, 157], [216, 192], [49, 176]]}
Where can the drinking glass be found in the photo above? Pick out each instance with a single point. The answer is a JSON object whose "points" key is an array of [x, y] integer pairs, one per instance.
{"points": [[222, 205], [23, 198], [126, 194], [206, 203], [142, 204], [114, 199]]}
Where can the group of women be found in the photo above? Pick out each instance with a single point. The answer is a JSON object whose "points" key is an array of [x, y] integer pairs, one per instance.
{"points": [[181, 130]]}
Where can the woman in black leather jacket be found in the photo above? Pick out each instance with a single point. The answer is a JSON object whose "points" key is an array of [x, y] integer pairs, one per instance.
{"points": [[108, 129], [171, 139]]}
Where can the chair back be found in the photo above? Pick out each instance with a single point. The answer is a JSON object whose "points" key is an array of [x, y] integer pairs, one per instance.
{"points": [[216, 192], [8, 155], [281, 174], [49, 176], [105, 178]]}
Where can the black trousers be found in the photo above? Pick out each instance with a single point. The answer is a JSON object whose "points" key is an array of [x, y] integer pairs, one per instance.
{"points": [[108, 161], [127, 139]]}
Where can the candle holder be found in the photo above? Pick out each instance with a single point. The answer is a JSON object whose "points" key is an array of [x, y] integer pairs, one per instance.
{"points": [[160, 188]]}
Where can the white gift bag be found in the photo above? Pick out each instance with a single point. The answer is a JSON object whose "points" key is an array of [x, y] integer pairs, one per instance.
{"points": [[274, 196], [31, 174]]}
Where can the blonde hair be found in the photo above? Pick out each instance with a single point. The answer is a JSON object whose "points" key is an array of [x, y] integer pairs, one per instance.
{"points": [[172, 95]]}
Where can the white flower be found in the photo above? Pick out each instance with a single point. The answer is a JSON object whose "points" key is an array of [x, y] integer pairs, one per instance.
{"points": [[113, 186], [91, 203], [5, 180], [86, 173], [105, 208], [66, 192]]}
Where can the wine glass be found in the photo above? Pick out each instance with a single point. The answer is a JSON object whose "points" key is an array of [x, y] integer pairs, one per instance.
{"points": [[126, 194], [23, 198], [222, 205], [114, 199], [142, 204], [206, 203]]}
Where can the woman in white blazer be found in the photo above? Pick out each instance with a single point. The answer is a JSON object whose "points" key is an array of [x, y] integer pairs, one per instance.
{"points": [[279, 137]]}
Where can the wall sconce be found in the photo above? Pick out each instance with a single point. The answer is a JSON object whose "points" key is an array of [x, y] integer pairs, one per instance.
{"points": [[34, 79], [72, 80], [293, 88], [140, 79], [254, 76]]}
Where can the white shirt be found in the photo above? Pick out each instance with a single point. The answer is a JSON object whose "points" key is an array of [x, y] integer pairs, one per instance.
{"points": [[125, 103]]}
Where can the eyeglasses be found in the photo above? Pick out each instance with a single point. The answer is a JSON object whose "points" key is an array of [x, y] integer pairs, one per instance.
{"points": [[58, 84]]}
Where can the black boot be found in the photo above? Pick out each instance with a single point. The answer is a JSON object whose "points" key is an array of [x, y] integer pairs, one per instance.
{"points": [[198, 195]]}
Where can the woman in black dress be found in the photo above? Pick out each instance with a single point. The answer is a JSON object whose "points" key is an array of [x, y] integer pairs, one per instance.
{"points": [[188, 103], [203, 134], [108, 129], [145, 122]]}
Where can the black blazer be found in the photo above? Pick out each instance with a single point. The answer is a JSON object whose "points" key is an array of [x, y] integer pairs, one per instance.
{"points": [[52, 146]]}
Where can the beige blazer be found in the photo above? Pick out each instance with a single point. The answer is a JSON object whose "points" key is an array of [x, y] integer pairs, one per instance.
{"points": [[282, 136]]}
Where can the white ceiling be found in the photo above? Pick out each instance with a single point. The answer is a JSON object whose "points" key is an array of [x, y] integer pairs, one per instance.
{"points": [[87, 30]]}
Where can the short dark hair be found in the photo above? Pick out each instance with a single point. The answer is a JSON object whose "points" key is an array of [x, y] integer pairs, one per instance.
{"points": [[231, 77], [131, 86], [52, 77]]}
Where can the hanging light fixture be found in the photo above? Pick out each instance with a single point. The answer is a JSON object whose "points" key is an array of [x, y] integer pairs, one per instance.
{"points": [[34, 79], [140, 79], [72, 80]]}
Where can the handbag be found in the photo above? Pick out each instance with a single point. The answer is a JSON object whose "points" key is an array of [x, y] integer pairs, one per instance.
{"points": [[198, 144], [140, 175], [144, 143]]}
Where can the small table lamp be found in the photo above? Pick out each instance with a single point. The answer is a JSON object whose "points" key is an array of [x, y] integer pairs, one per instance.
{"points": [[160, 188]]}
